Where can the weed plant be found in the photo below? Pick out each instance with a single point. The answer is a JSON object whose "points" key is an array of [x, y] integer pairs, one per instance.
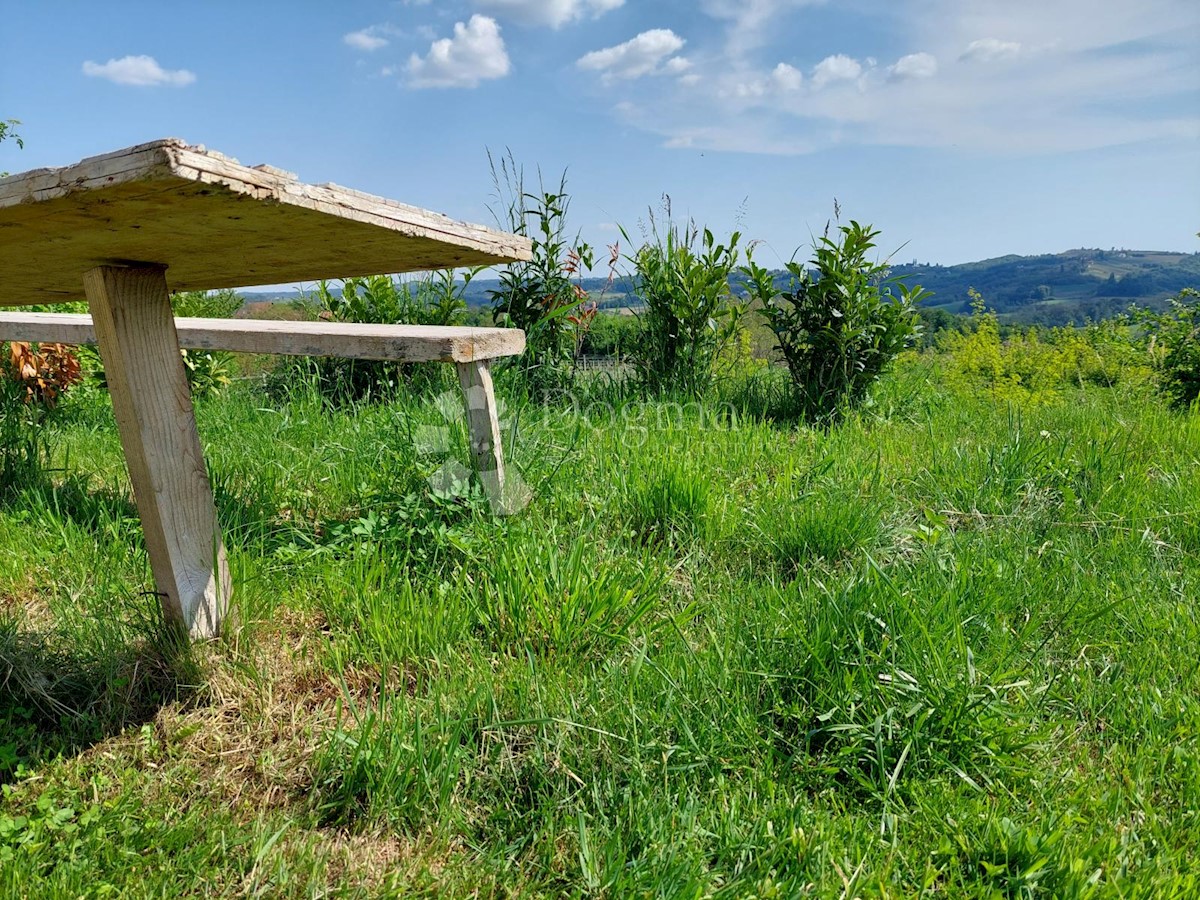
{"points": [[1174, 344]]}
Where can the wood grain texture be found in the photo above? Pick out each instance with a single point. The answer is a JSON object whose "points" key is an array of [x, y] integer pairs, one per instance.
{"points": [[214, 223], [401, 343], [483, 425], [132, 313]]}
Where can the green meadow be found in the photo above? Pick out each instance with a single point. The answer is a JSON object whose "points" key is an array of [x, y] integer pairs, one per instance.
{"points": [[945, 646]]}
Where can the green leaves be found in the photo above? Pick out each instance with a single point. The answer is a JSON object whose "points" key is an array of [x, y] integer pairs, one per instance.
{"points": [[1174, 343], [690, 311], [539, 296], [839, 322], [7, 133]]}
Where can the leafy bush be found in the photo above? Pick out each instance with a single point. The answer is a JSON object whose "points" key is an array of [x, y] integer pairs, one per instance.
{"points": [[840, 324], [32, 380], [434, 299], [610, 334], [45, 370], [539, 296], [690, 312], [1174, 343], [1029, 366]]}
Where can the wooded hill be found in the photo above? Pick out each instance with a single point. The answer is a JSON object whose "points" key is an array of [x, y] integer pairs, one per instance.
{"points": [[1052, 289], [1059, 287]]}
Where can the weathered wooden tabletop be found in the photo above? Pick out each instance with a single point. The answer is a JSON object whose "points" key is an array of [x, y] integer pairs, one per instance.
{"points": [[214, 223]]}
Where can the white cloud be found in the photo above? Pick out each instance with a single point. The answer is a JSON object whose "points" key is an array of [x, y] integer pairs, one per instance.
{"points": [[476, 53], [990, 50], [365, 39], [787, 78], [783, 79], [1129, 76], [554, 13], [750, 21], [641, 55], [141, 71], [838, 67], [915, 65]]}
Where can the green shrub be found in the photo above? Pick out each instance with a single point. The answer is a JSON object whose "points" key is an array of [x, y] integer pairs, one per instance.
{"points": [[840, 324], [1029, 366], [610, 334], [208, 371], [690, 314], [434, 299], [1174, 343]]}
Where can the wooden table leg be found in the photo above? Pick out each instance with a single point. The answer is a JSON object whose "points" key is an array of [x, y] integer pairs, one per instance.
{"points": [[135, 329], [483, 424]]}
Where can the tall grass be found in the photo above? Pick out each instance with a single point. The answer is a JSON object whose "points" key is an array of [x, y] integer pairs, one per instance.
{"points": [[943, 647]]}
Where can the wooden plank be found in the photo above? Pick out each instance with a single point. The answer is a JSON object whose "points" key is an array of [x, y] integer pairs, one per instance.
{"points": [[483, 425], [401, 343], [132, 313], [214, 223]]}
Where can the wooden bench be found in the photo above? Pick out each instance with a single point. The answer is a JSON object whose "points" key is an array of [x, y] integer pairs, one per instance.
{"points": [[125, 229], [470, 349]]}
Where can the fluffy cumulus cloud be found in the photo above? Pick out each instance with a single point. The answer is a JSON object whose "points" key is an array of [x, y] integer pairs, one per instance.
{"points": [[475, 53], [650, 53], [783, 79], [139, 71], [990, 50], [838, 67], [787, 78], [914, 65], [365, 39], [554, 13]]}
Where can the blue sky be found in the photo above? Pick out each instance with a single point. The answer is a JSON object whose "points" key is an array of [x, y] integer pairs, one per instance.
{"points": [[963, 129]]}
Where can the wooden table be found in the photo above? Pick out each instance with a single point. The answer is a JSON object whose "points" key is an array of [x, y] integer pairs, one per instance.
{"points": [[125, 229]]}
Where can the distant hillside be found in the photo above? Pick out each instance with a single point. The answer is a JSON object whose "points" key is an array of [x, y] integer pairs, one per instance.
{"points": [[1051, 289], [1057, 288]]}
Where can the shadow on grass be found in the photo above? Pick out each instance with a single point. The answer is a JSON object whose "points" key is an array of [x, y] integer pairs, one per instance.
{"points": [[74, 500], [64, 691], [249, 518]]}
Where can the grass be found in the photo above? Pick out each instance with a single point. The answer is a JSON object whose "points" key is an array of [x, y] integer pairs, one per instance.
{"points": [[946, 647]]}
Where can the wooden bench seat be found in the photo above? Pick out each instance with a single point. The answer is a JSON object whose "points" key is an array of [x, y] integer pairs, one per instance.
{"points": [[400, 343], [470, 349]]}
